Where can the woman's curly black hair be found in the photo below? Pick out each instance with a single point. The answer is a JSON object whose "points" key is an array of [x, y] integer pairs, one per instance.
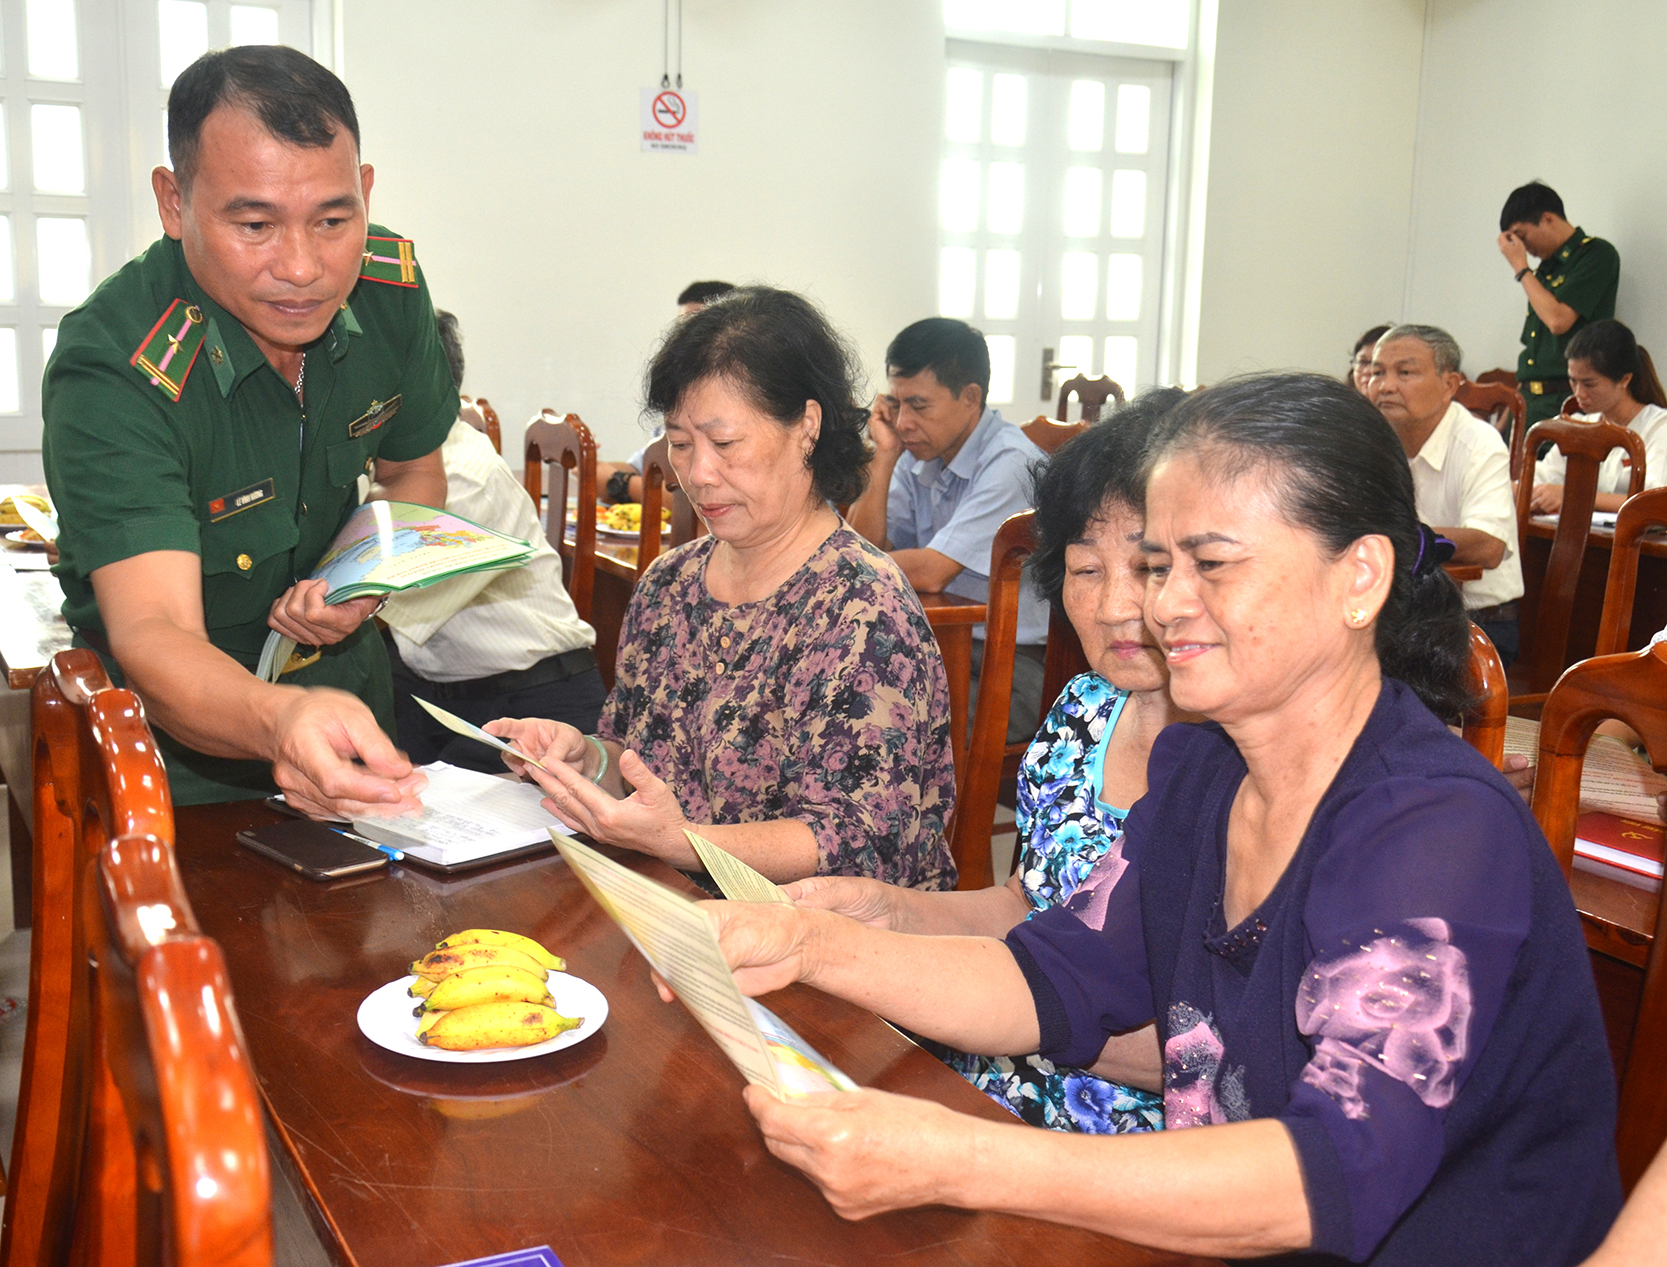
{"points": [[1102, 465], [779, 351]]}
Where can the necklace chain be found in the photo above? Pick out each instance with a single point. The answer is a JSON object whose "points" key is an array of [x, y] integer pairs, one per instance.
{"points": [[301, 378]]}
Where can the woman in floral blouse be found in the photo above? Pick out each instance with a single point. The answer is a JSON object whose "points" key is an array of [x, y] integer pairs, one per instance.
{"points": [[1085, 768], [777, 683]]}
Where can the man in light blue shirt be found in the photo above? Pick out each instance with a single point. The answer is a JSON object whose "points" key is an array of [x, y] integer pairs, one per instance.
{"points": [[947, 471]]}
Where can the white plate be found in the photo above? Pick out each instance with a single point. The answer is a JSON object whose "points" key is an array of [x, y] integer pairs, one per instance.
{"points": [[387, 1019], [17, 539]]}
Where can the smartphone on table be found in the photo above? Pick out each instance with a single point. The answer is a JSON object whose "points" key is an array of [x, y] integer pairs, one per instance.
{"points": [[316, 851]]}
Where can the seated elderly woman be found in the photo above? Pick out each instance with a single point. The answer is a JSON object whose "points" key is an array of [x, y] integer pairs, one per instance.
{"points": [[1086, 766], [1612, 383], [777, 683], [1379, 1033]]}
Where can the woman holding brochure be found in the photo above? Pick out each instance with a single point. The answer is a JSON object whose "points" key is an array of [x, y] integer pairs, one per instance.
{"points": [[777, 683], [1085, 768], [1366, 971]]}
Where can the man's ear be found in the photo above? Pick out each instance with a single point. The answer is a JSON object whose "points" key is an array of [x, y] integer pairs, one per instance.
{"points": [[170, 201], [972, 396]]}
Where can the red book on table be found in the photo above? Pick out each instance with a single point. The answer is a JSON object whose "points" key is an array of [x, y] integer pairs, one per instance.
{"points": [[1624, 849]]}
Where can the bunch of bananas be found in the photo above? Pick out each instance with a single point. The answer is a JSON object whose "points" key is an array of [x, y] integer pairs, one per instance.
{"points": [[487, 988], [9, 518]]}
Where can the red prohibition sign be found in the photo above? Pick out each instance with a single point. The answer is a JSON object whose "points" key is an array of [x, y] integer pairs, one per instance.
{"points": [[669, 110]]}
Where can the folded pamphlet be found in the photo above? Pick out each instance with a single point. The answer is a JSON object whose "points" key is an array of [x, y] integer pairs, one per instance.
{"points": [[1614, 778], [734, 878], [455, 724], [385, 547], [467, 817], [680, 942]]}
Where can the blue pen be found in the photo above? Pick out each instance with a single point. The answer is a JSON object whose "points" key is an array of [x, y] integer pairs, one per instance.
{"points": [[392, 853]]}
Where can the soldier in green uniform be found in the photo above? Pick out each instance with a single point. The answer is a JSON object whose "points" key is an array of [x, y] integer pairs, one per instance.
{"points": [[209, 412], [1575, 283]]}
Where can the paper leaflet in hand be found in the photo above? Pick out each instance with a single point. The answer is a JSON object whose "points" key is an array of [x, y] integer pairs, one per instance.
{"points": [[680, 942], [385, 547], [455, 724], [734, 878]]}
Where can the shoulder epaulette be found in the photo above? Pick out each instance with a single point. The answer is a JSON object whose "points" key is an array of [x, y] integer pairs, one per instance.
{"points": [[170, 349], [390, 260]]}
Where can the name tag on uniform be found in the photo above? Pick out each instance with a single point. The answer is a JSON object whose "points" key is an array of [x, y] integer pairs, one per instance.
{"points": [[378, 413], [236, 503]]}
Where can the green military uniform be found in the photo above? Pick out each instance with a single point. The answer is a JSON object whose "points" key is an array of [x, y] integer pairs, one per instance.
{"points": [[168, 429], [1582, 273]]}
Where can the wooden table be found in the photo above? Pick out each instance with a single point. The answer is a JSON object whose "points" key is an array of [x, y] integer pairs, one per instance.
{"points": [[1649, 604], [632, 1147], [32, 628]]}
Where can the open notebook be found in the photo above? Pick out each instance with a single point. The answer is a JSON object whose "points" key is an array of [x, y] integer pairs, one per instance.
{"points": [[468, 818]]}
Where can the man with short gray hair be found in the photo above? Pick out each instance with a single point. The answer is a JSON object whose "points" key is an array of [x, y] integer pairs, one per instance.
{"points": [[1461, 470]]}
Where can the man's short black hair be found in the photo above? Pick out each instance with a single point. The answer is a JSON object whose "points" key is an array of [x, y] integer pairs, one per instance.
{"points": [[703, 292], [1528, 203], [295, 98], [451, 343], [954, 352]]}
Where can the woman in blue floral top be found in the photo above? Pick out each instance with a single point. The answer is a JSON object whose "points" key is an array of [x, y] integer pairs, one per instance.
{"points": [[1085, 768]]}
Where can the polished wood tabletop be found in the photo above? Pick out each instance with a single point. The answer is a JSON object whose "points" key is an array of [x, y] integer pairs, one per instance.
{"points": [[632, 1147], [32, 628]]}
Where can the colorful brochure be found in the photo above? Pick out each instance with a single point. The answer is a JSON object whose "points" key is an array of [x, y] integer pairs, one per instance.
{"points": [[680, 942], [388, 546]]}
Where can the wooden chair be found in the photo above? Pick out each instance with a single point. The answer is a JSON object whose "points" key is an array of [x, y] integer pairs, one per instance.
{"points": [[1507, 377], [76, 1177], [1484, 722], [657, 479], [1633, 688], [1502, 408], [1048, 435], [991, 760], [1639, 513], [568, 446], [1091, 393], [1585, 445], [480, 415]]}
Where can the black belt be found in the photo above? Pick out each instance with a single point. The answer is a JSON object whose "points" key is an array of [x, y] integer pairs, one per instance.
{"points": [[551, 669], [1499, 613]]}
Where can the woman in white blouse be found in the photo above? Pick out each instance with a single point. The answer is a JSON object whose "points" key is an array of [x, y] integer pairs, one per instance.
{"points": [[1612, 383]]}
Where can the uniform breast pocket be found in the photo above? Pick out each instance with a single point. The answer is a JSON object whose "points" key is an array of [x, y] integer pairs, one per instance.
{"points": [[347, 461], [246, 564]]}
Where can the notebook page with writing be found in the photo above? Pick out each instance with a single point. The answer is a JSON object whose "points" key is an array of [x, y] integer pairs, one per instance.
{"points": [[1614, 779], [466, 816]]}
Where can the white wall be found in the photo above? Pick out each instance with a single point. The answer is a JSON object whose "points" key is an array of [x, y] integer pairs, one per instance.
{"points": [[508, 148], [1574, 100], [1311, 156]]}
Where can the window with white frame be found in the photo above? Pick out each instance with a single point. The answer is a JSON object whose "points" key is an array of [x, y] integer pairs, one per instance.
{"points": [[1054, 187], [83, 93]]}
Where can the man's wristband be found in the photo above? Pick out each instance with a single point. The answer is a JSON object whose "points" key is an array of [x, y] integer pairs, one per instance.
{"points": [[601, 751], [618, 487], [1521, 271]]}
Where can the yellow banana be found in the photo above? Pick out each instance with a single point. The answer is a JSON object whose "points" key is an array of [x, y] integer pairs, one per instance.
{"points": [[497, 937], [439, 964], [421, 988], [487, 985], [494, 1025], [426, 1020]]}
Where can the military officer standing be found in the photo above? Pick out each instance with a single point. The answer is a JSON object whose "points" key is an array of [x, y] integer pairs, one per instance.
{"points": [[209, 411], [1575, 283]]}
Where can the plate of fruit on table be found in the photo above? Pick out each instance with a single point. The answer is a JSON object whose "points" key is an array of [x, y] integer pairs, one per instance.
{"points": [[480, 996]]}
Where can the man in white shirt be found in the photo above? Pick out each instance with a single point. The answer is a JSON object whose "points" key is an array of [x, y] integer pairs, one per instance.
{"points": [[1461, 470], [486, 645]]}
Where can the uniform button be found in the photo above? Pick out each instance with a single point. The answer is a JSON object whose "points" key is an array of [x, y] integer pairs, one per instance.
{"points": [[245, 562], [303, 508]]}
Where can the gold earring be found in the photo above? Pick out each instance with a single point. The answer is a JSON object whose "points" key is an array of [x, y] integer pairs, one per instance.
{"points": [[1358, 616]]}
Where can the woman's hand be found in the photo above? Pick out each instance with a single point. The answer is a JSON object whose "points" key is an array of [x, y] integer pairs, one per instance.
{"points": [[866, 901], [766, 945], [1546, 499], [649, 820], [550, 742], [868, 1151], [1519, 773]]}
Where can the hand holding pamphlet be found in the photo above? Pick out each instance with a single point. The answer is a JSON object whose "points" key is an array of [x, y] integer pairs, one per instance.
{"points": [[680, 942], [385, 547]]}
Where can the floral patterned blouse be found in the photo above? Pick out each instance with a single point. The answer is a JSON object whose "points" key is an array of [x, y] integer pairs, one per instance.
{"points": [[1066, 829], [825, 702]]}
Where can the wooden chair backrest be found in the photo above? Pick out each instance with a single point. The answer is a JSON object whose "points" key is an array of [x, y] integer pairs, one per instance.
{"points": [[1639, 513], [1048, 435], [176, 1053], [1484, 722], [487, 420], [1633, 688], [1502, 407], [1507, 377], [1584, 445], [566, 445], [657, 479], [1091, 393]]}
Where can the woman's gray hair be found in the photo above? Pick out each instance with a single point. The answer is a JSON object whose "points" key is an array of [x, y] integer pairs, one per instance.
{"points": [[1443, 346]]}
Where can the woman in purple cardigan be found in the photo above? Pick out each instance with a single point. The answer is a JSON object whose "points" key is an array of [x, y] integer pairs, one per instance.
{"points": [[1377, 1031]]}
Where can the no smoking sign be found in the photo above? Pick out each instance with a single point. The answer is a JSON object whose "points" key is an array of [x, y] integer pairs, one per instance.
{"points": [[670, 120]]}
